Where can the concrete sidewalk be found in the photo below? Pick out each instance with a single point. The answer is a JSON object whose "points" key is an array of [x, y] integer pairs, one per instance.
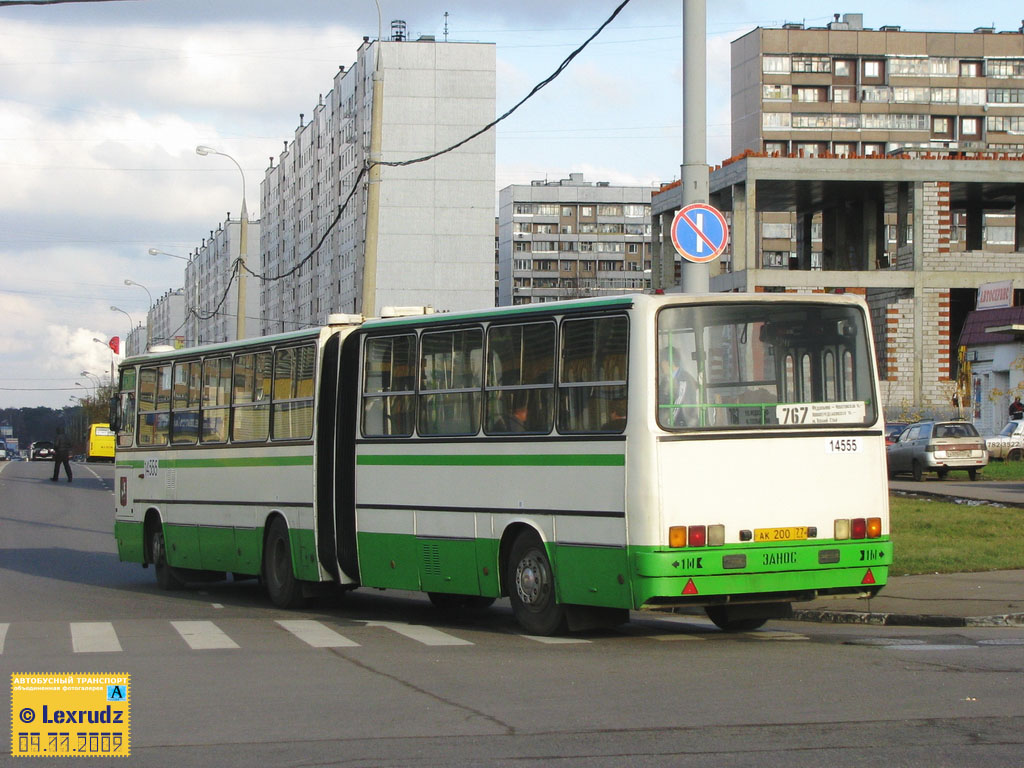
{"points": [[987, 599]]}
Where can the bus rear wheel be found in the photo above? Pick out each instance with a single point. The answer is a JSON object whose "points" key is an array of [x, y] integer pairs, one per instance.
{"points": [[531, 587], [284, 589], [721, 617], [166, 576]]}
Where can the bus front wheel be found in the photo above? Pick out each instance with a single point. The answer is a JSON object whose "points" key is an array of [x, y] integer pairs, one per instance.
{"points": [[284, 589], [166, 577], [531, 587]]}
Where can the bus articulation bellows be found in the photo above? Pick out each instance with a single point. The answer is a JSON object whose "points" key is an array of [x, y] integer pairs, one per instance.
{"points": [[583, 458]]}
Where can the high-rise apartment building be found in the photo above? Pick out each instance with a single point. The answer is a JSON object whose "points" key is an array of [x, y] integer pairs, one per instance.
{"points": [[211, 295], [880, 162], [572, 238], [335, 239], [166, 319], [845, 90]]}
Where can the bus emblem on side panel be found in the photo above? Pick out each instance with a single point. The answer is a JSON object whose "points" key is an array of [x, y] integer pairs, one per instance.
{"points": [[124, 491]]}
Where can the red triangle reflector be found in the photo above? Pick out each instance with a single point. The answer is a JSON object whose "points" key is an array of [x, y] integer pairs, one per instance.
{"points": [[869, 578], [690, 588]]}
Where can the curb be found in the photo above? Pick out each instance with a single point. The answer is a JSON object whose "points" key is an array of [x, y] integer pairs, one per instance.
{"points": [[907, 619]]}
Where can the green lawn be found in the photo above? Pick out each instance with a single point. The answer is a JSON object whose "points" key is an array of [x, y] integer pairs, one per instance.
{"points": [[943, 537], [1002, 470]]}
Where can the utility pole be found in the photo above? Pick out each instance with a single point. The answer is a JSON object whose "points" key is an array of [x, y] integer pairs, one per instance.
{"points": [[695, 278]]}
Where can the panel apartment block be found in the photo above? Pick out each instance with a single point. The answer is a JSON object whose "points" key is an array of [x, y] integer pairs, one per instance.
{"points": [[429, 225]]}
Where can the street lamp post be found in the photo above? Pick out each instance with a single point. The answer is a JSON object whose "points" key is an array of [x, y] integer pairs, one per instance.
{"points": [[149, 312], [111, 350], [243, 238], [130, 324]]}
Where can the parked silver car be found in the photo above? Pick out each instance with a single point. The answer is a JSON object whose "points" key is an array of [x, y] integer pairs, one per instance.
{"points": [[1009, 443], [937, 446]]}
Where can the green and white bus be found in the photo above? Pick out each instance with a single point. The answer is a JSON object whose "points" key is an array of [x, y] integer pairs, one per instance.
{"points": [[583, 458]]}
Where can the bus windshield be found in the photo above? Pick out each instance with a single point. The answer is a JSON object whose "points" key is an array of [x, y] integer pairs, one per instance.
{"points": [[766, 365]]}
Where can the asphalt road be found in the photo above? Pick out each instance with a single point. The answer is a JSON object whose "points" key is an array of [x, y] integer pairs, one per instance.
{"points": [[221, 678]]}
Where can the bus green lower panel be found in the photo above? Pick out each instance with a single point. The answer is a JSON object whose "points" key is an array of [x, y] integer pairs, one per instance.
{"points": [[217, 548], [388, 560], [182, 543], [592, 576], [248, 551], [130, 547], [303, 542]]}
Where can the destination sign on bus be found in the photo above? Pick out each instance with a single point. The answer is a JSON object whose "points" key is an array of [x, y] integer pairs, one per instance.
{"points": [[819, 413]]}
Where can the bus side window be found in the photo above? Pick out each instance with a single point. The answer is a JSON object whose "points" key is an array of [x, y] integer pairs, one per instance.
{"points": [[451, 374], [154, 405], [216, 398], [520, 379], [250, 413], [388, 399], [592, 375], [294, 369]]}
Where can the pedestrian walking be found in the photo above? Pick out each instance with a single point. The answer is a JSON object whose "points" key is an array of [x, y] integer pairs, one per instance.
{"points": [[61, 452]]}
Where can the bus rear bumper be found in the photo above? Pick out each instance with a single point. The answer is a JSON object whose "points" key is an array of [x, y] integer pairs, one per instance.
{"points": [[760, 574]]}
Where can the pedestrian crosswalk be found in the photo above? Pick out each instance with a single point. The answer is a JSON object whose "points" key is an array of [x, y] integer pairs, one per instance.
{"points": [[95, 637]]}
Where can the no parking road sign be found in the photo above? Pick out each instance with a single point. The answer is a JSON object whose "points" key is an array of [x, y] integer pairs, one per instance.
{"points": [[699, 233]]}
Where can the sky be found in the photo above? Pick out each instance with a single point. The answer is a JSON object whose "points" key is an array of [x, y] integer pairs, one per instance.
{"points": [[103, 103]]}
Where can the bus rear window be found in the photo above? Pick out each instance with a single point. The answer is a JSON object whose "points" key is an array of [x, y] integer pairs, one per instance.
{"points": [[737, 365]]}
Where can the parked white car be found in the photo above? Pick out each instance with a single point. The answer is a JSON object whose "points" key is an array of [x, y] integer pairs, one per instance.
{"points": [[1009, 443]]}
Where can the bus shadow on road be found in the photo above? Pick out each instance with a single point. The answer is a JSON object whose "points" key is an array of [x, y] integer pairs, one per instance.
{"points": [[99, 569]]}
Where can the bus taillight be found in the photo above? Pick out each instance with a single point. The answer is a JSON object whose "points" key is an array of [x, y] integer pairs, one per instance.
{"points": [[859, 528], [696, 536]]}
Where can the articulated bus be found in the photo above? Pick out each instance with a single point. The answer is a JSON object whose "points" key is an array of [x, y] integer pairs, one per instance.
{"points": [[583, 458]]}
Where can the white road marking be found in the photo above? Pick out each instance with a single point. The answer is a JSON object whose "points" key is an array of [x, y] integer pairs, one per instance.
{"points": [[555, 640], [3, 634], [316, 634], [94, 637], [420, 633], [203, 635]]}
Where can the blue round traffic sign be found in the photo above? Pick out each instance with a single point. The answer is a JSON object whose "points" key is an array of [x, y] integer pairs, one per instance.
{"points": [[699, 232]]}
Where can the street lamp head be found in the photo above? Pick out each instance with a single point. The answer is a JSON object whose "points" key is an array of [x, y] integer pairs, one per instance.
{"points": [[203, 150], [115, 309], [154, 252], [129, 282]]}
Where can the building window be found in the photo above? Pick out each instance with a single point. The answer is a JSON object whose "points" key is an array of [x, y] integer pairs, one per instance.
{"points": [[902, 95], [522, 227], [842, 68], [905, 66], [776, 92], [609, 210], [879, 94], [871, 69], [944, 96], [809, 94], [942, 127], [942, 67], [1004, 124], [522, 247], [1006, 95], [523, 209], [775, 120], [1006, 67], [843, 95], [970, 128], [587, 211], [972, 96], [812, 64], [775, 259], [544, 246], [775, 65], [872, 148], [522, 265], [970, 69], [568, 211], [636, 211]]}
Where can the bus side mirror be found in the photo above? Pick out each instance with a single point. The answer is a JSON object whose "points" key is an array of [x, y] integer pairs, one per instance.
{"points": [[114, 414]]}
